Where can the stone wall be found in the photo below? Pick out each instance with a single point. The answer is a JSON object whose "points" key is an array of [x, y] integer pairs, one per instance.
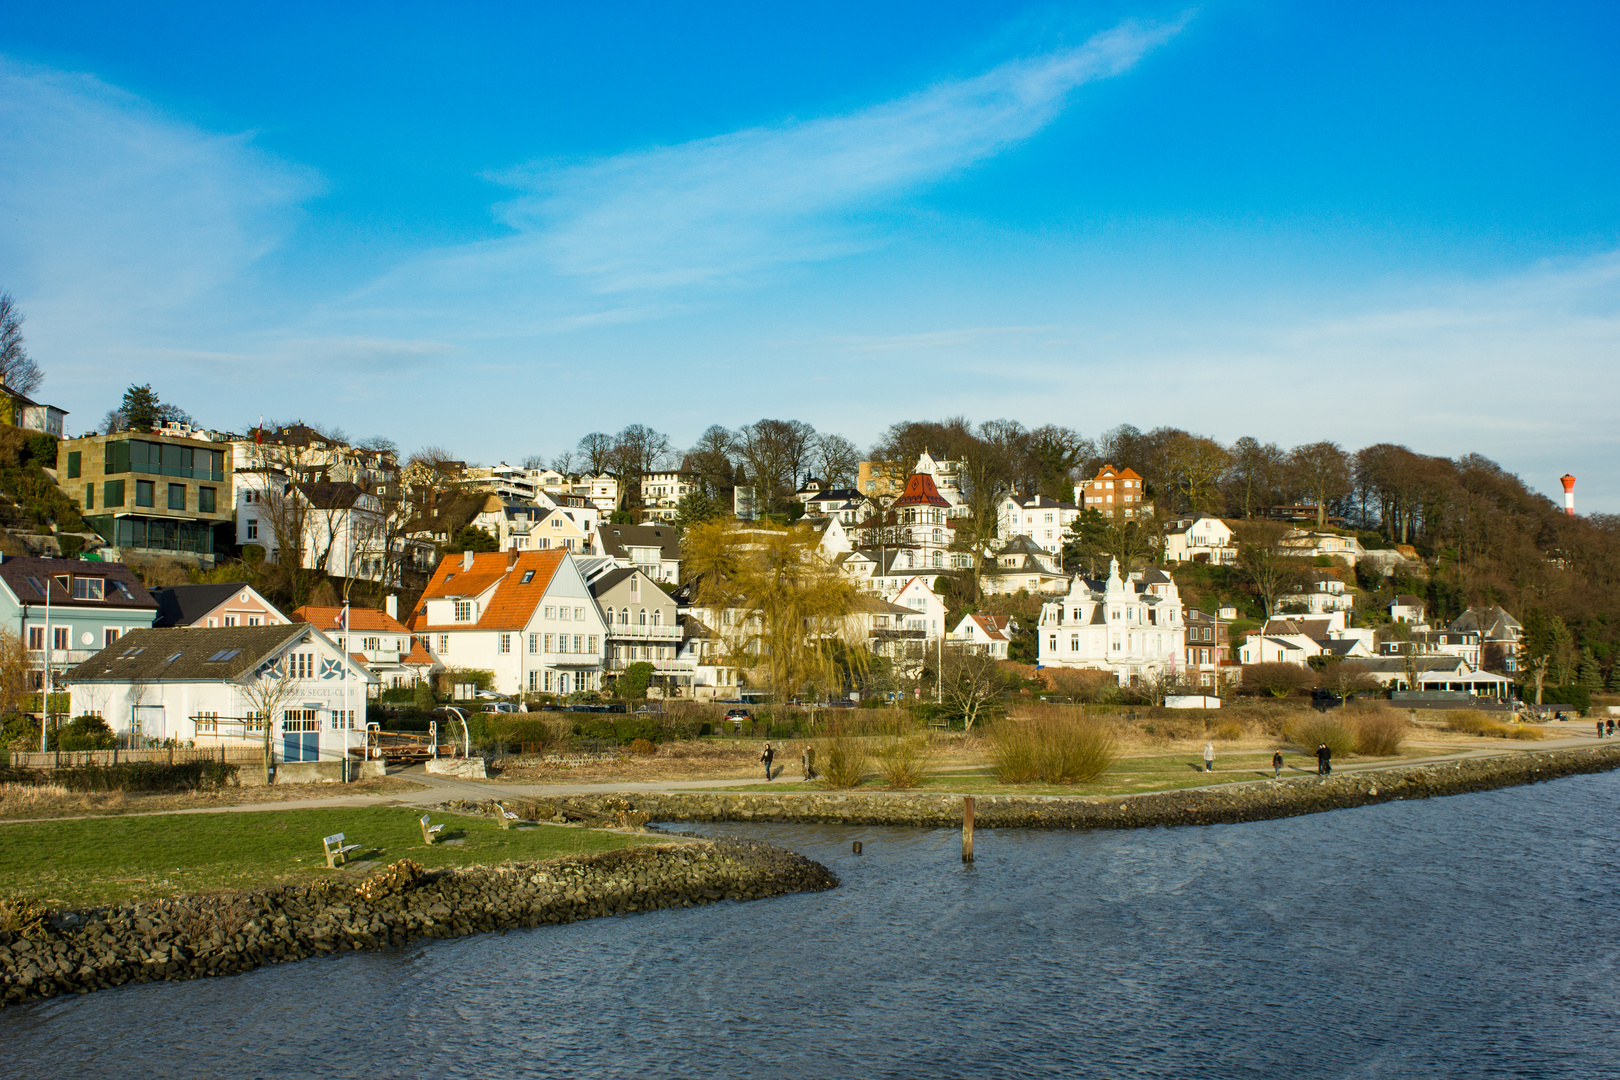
{"points": [[77, 952], [1256, 801]]}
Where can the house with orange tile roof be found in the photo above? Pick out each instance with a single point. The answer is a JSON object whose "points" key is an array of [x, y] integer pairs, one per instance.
{"points": [[1114, 491], [376, 639], [527, 616]]}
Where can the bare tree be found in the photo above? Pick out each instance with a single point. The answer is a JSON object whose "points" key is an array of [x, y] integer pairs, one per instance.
{"points": [[18, 372], [595, 453], [1323, 469], [771, 450], [837, 459], [267, 692], [711, 457], [970, 682], [1255, 469], [637, 451], [1197, 464], [1269, 568], [14, 673], [566, 463]]}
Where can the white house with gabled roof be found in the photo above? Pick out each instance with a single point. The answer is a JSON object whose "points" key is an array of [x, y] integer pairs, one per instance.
{"points": [[527, 616]]}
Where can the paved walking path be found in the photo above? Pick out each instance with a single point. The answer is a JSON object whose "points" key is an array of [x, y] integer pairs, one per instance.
{"points": [[437, 789]]}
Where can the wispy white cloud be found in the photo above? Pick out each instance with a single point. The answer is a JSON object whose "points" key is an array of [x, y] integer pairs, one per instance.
{"points": [[118, 218], [721, 207]]}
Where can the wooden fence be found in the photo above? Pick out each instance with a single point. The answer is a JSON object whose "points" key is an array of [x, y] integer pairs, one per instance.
{"points": [[67, 759]]}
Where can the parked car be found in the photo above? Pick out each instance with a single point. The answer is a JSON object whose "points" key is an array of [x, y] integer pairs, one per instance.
{"points": [[500, 707], [739, 714], [488, 695]]}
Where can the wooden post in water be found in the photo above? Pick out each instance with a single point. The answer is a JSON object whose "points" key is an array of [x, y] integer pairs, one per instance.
{"points": [[967, 828]]}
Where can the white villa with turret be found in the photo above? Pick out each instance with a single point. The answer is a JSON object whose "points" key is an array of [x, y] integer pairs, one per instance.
{"points": [[1129, 626]]}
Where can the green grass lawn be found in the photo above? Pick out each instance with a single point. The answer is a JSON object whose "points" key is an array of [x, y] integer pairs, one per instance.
{"points": [[93, 861], [1132, 775]]}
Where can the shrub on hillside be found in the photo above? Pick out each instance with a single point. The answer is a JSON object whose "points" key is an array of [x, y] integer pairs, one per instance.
{"points": [[1379, 732], [1277, 679], [1089, 687], [843, 762], [1311, 731], [903, 762], [148, 776]]}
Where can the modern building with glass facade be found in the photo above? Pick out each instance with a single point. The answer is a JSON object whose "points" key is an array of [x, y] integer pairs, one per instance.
{"points": [[151, 493]]}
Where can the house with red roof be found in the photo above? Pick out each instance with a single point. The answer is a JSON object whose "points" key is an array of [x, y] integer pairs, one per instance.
{"points": [[988, 634], [527, 616], [375, 639]]}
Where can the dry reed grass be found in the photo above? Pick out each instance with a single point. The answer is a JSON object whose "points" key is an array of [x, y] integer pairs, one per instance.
{"points": [[1468, 722], [1059, 749]]}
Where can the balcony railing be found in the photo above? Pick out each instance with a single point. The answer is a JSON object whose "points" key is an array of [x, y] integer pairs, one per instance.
{"points": [[620, 664], [632, 632], [36, 657], [178, 471]]}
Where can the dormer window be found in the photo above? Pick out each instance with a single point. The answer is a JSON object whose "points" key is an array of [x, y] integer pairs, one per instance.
{"points": [[463, 611], [89, 588]]}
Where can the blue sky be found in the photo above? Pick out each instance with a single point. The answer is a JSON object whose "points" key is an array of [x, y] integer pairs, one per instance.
{"points": [[496, 230]]}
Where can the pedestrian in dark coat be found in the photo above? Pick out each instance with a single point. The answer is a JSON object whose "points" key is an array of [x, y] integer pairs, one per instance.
{"points": [[1276, 765], [1600, 729], [1324, 759], [1611, 727], [770, 752], [808, 760]]}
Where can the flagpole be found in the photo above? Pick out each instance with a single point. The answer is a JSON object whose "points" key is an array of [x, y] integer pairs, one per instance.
{"points": [[346, 680], [45, 679]]}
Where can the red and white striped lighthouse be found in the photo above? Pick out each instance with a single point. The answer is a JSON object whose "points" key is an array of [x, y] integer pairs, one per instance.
{"points": [[1569, 493]]}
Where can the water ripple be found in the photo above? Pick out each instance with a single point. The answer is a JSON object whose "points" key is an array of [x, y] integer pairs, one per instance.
{"points": [[1469, 936]]}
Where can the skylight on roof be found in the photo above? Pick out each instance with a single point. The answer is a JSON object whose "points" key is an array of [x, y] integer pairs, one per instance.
{"points": [[528, 576], [223, 655], [34, 581], [127, 653], [175, 657], [121, 587]]}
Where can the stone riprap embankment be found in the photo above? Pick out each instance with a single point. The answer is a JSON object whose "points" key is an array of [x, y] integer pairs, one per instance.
{"points": [[76, 952], [1258, 801]]}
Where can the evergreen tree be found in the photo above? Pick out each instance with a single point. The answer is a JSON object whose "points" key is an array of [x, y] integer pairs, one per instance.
{"points": [[695, 509], [141, 407], [1591, 674], [1614, 678]]}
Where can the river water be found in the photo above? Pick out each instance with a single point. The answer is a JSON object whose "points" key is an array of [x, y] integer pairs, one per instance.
{"points": [[1469, 936]]}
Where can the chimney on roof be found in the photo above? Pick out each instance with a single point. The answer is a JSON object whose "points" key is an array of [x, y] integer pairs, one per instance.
{"points": [[511, 557], [466, 561], [391, 606]]}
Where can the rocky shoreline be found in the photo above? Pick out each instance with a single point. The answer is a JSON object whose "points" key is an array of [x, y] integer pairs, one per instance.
{"points": [[1258, 801], [197, 937]]}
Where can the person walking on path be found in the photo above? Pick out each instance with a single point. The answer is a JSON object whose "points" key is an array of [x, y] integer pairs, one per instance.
{"points": [[1324, 759], [808, 760], [1276, 765], [770, 752], [1611, 727], [1600, 729], [1209, 757]]}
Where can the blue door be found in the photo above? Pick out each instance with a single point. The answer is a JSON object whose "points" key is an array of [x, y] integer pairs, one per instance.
{"points": [[300, 735]]}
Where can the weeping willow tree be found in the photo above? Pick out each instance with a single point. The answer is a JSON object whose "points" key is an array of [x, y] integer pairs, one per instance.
{"points": [[783, 614]]}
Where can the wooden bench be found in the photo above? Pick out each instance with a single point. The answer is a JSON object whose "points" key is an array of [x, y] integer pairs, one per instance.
{"points": [[337, 852], [504, 816], [428, 830]]}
